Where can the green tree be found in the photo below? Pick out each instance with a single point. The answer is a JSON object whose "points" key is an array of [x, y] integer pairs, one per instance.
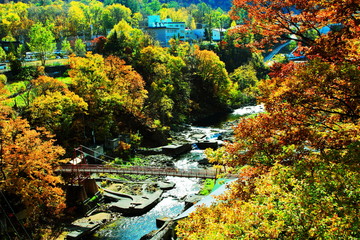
{"points": [[191, 23], [126, 41], [66, 47], [115, 13], [42, 41], [2, 55], [153, 7], [95, 12], [165, 81], [136, 19], [246, 81], [200, 11], [210, 83], [134, 5], [80, 47]]}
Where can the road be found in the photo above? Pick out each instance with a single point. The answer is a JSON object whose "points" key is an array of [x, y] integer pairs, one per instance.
{"points": [[275, 51]]}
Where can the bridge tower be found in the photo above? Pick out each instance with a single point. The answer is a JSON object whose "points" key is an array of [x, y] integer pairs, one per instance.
{"points": [[79, 184], [76, 177]]}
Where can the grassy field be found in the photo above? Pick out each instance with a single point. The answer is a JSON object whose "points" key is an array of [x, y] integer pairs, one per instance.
{"points": [[16, 87], [22, 99], [207, 187], [66, 80]]}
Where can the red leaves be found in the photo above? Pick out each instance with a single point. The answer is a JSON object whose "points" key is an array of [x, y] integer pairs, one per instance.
{"points": [[294, 19]]}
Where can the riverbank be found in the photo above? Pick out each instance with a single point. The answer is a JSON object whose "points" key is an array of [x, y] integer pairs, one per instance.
{"points": [[87, 225], [117, 203]]}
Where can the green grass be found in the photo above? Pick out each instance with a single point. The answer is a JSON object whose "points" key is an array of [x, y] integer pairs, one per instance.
{"points": [[207, 187], [18, 86], [14, 88], [66, 80]]}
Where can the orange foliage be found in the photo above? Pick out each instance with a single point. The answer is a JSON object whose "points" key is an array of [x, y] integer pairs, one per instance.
{"points": [[28, 161]]}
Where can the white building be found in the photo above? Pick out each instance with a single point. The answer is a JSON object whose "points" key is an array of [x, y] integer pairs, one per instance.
{"points": [[164, 30], [199, 34], [218, 34]]}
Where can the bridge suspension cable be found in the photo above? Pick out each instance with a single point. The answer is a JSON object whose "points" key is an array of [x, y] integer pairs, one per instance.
{"points": [[95, 152], [16, 218], [96, 158]]}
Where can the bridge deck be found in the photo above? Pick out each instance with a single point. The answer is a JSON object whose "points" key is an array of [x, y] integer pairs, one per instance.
{"points": [[141, 170]]}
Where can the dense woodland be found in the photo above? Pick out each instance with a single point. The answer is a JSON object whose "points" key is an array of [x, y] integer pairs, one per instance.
{"points": [[136, 5], [298, 163]]}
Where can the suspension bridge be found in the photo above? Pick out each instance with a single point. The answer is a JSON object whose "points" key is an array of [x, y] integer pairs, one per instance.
{"points": [[87, 169], [78, 166]]}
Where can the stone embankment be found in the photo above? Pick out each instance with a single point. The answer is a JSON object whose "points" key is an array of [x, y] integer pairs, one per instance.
{"points": [[85, 226]]}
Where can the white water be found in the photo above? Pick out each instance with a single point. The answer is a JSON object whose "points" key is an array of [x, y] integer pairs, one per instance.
{"points": [[249, 110]]}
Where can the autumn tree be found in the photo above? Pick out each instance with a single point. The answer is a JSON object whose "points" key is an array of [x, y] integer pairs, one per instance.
{"points": [[210, 83], [54, 13], [14, 21], [112, 90], [99, 44], [274, 21], [166, 84], [92, 85], [57, 109], [28, 160], [128, 84], [77, 19], [179, 15]]}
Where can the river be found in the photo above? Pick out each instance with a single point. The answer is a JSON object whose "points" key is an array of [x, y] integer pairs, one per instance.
{"points": [[133, 228]]}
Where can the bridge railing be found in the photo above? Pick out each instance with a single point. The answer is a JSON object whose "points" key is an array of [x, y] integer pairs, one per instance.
{"points": [[139, 170]]}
